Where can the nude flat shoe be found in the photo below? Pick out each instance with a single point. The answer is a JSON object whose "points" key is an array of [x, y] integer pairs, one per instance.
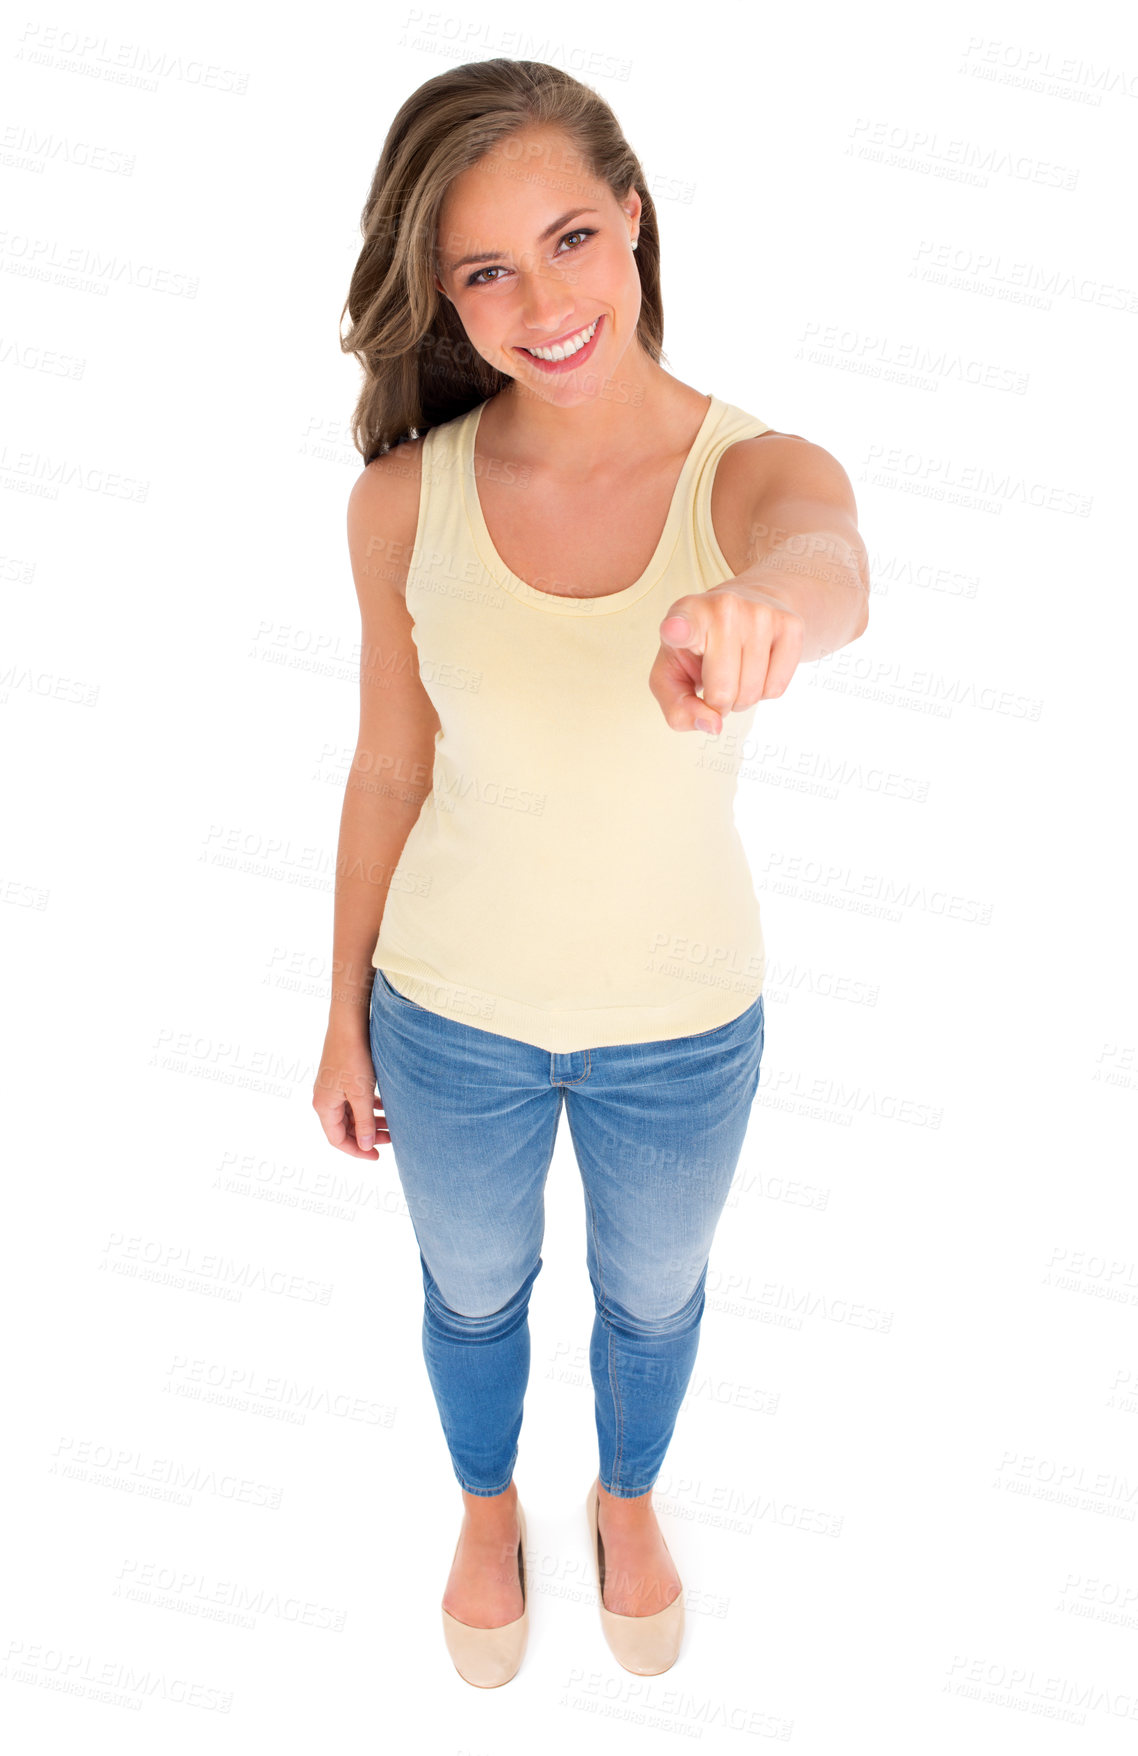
{"points": [[489, 1657], [645, 1645]]}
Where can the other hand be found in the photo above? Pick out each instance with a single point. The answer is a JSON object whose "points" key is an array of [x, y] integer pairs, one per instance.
{"points": [[739, 644], [346, 1100]]}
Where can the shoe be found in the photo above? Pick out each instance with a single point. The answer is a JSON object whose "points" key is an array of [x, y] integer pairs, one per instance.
{"points": [[645, 1645], [489, 1657]]}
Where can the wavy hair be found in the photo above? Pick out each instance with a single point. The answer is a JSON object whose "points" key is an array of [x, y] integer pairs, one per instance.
{"points": [[419, 367]]}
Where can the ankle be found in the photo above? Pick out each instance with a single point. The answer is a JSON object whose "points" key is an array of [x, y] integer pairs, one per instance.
{"points": [[640, 1526], [491, 1509], [626, 1502]]}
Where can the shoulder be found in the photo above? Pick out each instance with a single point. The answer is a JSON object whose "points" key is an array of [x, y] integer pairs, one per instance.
{"points": [[383, 513], [779, 465], [757, 476], [389, 478]]}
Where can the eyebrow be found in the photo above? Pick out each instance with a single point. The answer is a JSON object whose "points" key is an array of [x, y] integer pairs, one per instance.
{"points": [[495, 255]]}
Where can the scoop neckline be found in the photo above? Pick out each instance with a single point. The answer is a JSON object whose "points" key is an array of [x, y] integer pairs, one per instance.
{"points": [[554, 602]]}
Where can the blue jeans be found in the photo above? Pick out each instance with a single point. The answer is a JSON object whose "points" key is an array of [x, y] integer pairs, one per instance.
{"points": [[657, 1129]]}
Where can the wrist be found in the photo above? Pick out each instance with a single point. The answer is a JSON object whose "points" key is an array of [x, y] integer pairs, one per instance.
{"points": [[349, 1005]]}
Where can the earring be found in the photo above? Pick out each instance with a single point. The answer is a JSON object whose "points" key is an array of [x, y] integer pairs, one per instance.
{"points": [[635, 242]]}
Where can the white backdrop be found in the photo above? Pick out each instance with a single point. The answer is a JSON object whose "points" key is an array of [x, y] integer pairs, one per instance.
{"points": [[902, 1493]]}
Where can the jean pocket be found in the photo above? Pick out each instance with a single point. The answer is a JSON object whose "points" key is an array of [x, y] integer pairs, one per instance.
{"points": [[400, 999]]}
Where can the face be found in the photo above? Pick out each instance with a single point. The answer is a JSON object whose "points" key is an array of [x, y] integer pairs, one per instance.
{"points": [[555, 258]]}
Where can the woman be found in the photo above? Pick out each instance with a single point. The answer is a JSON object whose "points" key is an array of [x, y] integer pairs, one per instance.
{"points": [[541, 896]]}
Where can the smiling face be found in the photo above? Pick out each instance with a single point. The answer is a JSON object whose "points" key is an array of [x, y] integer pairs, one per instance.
{"points": [[554, 265]]}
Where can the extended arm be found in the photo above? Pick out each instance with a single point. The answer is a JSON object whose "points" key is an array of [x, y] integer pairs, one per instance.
{"points": [[804, 545], [803, 592]]}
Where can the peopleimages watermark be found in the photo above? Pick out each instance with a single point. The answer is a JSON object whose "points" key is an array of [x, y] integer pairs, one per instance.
{"points": [[473, 38], [87, 267], [844, 886], [998, 277], [919, 363], [114, 1682], [1039, 70], [98, 56], [941, 478], [899, 682], [959, 160]]}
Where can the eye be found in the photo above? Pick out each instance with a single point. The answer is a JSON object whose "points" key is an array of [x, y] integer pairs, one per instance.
{"points": [[475, 280]]}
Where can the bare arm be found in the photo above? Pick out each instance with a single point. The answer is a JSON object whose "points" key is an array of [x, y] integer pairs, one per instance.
{"points": [[390, 775], [389, 779], [805, 547], [802, 589]]}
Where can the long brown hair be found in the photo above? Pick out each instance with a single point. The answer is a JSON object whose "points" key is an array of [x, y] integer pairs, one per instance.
{"points": [[419, 368]]}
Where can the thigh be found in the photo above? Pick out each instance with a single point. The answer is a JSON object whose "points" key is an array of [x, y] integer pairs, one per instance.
{"points": [[473, 1121], [657, 1130]]}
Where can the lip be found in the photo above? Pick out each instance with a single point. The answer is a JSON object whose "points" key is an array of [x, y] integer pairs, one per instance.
{"points": [[574, 360]]}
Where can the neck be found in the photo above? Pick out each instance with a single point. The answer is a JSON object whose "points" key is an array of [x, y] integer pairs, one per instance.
{"points": [[585, 439]]}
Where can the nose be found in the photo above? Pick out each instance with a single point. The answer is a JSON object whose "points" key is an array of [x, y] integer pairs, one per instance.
{"points": [[547, 303]]}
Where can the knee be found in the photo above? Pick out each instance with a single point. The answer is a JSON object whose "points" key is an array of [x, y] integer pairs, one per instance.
{"points": [[495, 1299], [657, 1308], [474, 1306]]}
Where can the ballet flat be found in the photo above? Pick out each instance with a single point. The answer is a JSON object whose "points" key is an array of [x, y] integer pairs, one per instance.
{"points": [[645, 1645], [489, 1657]]}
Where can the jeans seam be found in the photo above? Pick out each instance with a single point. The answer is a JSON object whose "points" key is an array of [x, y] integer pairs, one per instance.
{"points": [[391, 989], [614, 1382], [488, 1493], [588, 1054]]}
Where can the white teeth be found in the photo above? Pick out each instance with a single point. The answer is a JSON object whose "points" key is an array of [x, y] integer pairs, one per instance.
{"points": [[565, 348]]}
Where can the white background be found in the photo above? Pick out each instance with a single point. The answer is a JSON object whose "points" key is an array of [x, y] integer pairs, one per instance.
{"points": [[902, 1493]]}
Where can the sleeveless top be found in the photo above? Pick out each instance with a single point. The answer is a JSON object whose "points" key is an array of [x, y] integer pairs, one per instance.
{"points": [[575, 878]]}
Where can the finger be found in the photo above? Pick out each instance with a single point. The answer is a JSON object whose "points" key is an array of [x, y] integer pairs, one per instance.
{"points": [[681, 630], [382, 1132], [784, 659], [673, 680], [690, 634], [754, 672], [723, 660], [339, 1126], [362, 1112]]}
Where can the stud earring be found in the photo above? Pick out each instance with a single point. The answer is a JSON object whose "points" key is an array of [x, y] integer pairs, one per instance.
{"points": [[635, 242]]}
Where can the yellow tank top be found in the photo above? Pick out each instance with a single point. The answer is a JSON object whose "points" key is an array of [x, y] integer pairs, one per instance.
{"points": [[575, 878]]}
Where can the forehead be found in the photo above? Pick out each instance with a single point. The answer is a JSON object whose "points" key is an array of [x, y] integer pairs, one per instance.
{"points": [[516, 188]]}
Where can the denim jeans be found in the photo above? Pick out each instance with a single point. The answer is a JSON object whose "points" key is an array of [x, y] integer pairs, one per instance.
{"points": [[657, 1130]]}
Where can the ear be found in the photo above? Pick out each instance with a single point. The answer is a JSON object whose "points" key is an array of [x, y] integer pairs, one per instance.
{"points": [[631, 205]]}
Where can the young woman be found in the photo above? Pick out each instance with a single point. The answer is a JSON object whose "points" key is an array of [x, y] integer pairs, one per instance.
{"points": [[577, 578]]}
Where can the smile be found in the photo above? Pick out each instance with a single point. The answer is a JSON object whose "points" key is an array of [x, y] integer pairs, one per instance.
{"points": [[568, 349]]}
